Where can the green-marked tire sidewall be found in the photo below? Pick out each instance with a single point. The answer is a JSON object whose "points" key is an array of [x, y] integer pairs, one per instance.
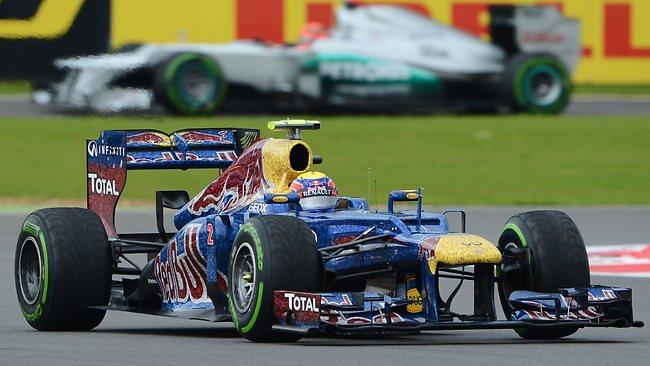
{"points": [[517, 230], [522, 94], [34, 312], [522, 239], [247, 322], [175, 94]]}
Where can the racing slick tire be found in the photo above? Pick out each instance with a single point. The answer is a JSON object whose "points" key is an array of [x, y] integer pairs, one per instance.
{"points": [[270, 253], [63, 265], [189, 84], [558, 259], [536, 83]]}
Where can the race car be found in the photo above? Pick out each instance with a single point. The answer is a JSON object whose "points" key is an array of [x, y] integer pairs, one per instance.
{"points": [[271, 246], [375, 57]]}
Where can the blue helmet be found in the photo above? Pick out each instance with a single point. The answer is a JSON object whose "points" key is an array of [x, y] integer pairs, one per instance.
{"points": [[316, 191]]}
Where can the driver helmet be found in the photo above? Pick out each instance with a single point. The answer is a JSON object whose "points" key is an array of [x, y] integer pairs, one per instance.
{"points": [[316, 191]]}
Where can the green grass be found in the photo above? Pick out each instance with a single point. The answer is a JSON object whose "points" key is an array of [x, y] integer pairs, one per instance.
{"points": [[23, 87], [612, 89], [473, 160], [14, 87]]}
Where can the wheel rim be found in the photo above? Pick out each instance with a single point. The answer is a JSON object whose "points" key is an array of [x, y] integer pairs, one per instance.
{"points": [[243, 277], [507, 287], [30, 270], [543, 85], [197, 85]]}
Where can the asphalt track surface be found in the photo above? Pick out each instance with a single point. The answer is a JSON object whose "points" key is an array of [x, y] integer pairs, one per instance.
{"points": [[21, 106], [125, 338]]}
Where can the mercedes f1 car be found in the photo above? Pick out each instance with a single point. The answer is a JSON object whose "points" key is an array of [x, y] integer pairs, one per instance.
{"points": [[375, 57], [253, 248]]}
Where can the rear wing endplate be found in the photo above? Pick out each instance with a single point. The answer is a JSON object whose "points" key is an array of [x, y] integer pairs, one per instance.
{"points": [[536, 28], [115, 152]]}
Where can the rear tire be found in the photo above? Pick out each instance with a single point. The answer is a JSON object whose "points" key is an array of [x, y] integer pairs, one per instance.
{"points": [[274, 253], [536, 83], [558, 259], [189, 84], [63, 265]]}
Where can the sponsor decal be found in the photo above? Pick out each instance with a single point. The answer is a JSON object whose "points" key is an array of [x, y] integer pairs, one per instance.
{"points": [[377, 319], [257, 207], [362, 71], [302, 303], [199, 137], [92, 148], [280, 199], [52, 19], [148, 138], [315, 191], [237, 187], [95, 149], [345, 300], [178, 156], [471, 243], [604, 295], [182, 275], [352, 317], [226, 155], [296, 307], [411, 196], [415, 306], [627, 260], [102, 186], [542, 37], [609, 294], [372, 89], [413, 295], [541, 314]]}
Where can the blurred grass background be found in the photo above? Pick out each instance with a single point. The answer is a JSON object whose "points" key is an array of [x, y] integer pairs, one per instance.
{"points": [[24, 87], [470, 160], [14, 87]]}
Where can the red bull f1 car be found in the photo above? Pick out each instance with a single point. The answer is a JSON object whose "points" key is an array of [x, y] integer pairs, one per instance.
{"points": [[376, 57], [271, 246]]}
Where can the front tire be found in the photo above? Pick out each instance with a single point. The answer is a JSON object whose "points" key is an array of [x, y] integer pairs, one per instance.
{"points": [[62, 266], [558, 259], [536, 83], [270, 253]]}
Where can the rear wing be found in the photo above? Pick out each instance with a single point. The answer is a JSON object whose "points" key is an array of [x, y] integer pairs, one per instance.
{"points": [[541, 28], [115, 152]]}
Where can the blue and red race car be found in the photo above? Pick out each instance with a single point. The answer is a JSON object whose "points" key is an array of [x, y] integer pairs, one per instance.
{"points": [[271, 246]]}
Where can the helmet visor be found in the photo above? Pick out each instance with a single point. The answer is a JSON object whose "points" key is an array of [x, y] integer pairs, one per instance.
{"points": [[318, 202]]}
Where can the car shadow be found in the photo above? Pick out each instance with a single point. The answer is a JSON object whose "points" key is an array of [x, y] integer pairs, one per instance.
{"points": [[441, 339], [216, 332], [428, 338]]}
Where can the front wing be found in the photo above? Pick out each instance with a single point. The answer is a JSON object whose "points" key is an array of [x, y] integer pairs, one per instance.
{"points": [[372, 313]]}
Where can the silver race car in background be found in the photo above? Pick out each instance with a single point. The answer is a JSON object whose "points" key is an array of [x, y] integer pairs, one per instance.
{"points": [[376, 56]]}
